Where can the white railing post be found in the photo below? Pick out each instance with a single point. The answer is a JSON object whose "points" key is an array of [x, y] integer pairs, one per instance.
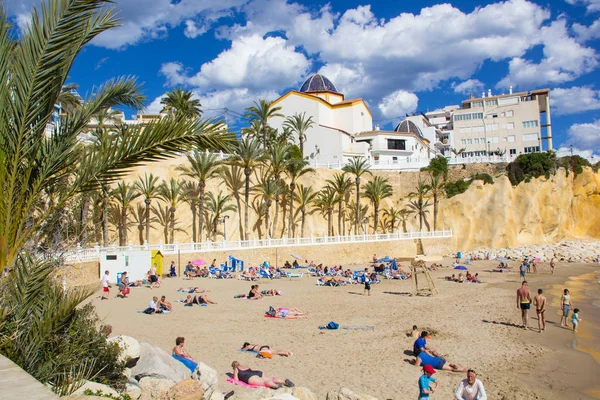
{"points": [[97, 248], [160, 246]]}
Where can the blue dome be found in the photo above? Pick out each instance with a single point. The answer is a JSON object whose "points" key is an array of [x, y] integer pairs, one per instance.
{"points": [[407, 126], [318, 83]]}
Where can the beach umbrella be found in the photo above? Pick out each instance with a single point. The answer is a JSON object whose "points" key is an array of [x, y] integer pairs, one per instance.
{"points": [[461, 267], [296, 256], [199, 261]]}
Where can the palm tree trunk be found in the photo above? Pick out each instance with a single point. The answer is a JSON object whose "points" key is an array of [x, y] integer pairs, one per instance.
{"points": [[301, 140], [376, 209], [302, 223], [141, 234], [358, 221], [124, 224], [194, 232], [172, 224], [166, 233], [329, 224], [275, 218], [291, 216], [239, 207], [202, 186], [340, 217], [104, 221], [420, 215], [435, 211], [267, 221], [148, 201], [247, 172]]}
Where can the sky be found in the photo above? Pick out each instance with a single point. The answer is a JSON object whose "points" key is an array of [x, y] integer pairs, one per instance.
{"points": [[398, 56]]}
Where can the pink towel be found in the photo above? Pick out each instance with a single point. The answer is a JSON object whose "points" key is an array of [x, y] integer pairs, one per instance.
{"points": [[240, 383]]}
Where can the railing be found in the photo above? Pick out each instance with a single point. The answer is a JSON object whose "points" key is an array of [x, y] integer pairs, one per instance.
{"points": [[80, 254]]}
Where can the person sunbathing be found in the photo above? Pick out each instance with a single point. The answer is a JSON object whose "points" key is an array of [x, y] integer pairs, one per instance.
{"points": [[436, 362], [264, 348], [200, 299], [192, 290], [164, 304], [290, 313], [254, 294], [244, 374], [270, 292]]}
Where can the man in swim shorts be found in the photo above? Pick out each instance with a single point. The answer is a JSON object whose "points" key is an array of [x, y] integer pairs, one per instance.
{"points": [[539, 302], [524, 302]]}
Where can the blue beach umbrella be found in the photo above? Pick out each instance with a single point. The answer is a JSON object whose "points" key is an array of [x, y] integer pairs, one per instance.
{"points": [[461, 267]]}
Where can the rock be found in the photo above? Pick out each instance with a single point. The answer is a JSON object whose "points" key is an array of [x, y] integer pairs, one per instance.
{"points": [[157, 363], [155, 388], [133, 389], [216, 395], [190, 389], [303, 393], [94, 387], [347, 394], [130, 346], [284, 396], [208, 378]]}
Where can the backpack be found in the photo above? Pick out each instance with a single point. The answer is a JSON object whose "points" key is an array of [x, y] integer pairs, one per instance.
{"points": [[333, 325], [271, 312]]}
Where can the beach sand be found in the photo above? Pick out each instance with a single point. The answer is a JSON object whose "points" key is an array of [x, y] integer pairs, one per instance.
{"points": [[475, 325]]}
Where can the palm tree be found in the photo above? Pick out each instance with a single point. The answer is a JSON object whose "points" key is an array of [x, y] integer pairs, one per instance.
{"points": [[377, 190], [191, 193], [166, 219], [203, 167], [233, 177], [259, 209], [276, 161], [357, 166], [179, 103], [148, 188], [261, 112], [393, 215], [217, 206], [420, 210], [171, 192], [247, 155], [342, 185], [405, 213], [124, 195], [294, 170], [139, 218], [305, 197], [325, 202], [437, 188], [299, 124], [417, 201], [67, 99], [268, 189]]}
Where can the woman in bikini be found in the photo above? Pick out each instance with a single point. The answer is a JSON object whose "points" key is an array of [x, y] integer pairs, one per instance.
{"points": [[254, 294], [565, 304], [200, 299], [244, 374], [264, 348]]}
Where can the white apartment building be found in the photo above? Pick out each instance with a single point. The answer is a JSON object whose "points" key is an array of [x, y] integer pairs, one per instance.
{"points": [[513, 124]]}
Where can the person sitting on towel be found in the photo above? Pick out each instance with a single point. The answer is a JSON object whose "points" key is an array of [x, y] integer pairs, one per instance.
{"points": [[181, 354]]}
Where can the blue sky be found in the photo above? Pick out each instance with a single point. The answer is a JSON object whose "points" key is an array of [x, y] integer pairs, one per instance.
{"points": [[399, 56]]}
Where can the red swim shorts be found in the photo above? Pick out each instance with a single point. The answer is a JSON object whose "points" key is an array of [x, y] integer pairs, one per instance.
{"points": [[106, 289]]}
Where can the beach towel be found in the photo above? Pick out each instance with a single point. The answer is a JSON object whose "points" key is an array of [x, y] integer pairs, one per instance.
{"points": [[359, 327], [244, 384], [154, 313], [191, 365], [288, 317], [248, 351]]}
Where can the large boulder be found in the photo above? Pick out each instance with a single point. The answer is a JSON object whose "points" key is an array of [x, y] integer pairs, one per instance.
{"points": [[347, 394], [190, 389], [303, 393], [130, 348], [94, 387], [133, 389], [155, 388], [208, 379], [283, 396], [157, 363]]}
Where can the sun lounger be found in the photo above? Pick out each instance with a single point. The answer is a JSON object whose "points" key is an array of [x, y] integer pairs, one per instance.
{"points": [[299, 275]]}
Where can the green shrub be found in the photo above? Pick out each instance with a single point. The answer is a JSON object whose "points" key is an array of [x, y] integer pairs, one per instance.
{"points": [[528, 166], [486, 178], [574, 163], [458, 187], [437, 166]]}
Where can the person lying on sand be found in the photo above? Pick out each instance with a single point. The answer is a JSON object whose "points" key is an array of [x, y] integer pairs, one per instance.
{"points": [[192, 290], [244, 374], [436, 362], [264, 348], [290, 312], [271, 292], [200, 299]]}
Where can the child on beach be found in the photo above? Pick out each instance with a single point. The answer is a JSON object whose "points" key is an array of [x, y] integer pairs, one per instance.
{"points": [[367, 284], [105, 286], [575, 319], [425, 382]]}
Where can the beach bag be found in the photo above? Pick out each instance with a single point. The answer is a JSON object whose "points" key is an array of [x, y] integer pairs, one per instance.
{"points": [[271, 312], [126, 291], [265, 354], [149, 310], [332, 325]]}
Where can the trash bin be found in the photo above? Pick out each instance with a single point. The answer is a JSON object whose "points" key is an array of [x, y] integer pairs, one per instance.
{"points": [[459, 255]]}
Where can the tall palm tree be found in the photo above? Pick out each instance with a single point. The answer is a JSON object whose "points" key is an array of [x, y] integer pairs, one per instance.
{"points": [[393, 215], [203, 167], [217, 206], [377, 190], [342, 185], [139, 218], [294, 170], [247, 155], [148, 188], [259, 209], [191, 193], [305, 197], [276, 161], [124, 195], [261, 112], [233, 176], [171, 192], [180, 104], [166, 219], [437, 188], [299, 124], [357, 166], [420, 210], [405, 214], [418, 203], [268, 189], [325, 202]]}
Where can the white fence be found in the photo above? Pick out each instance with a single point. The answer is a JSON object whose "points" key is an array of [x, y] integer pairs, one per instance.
{"points": [[92, 254]]}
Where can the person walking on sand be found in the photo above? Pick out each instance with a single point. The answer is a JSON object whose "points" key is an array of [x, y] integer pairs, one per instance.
{"points": [[367, 284], [105, 286], [539, 302], [425, 382], [565, 305], [153, 277], [523, 270], [470, 388], [524, 302], [575, 319], [552, 265]]}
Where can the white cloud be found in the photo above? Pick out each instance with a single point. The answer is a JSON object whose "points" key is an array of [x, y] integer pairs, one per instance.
{"points": [[192, 30], [252, 62], [564, 59], [398, 104], [573, 100], [471, 86], [585, 33], [590, 155], [585, 136], [591, 5]]}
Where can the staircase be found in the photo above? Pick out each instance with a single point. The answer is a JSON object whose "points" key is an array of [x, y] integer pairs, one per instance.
{"points": [[18, 384]]}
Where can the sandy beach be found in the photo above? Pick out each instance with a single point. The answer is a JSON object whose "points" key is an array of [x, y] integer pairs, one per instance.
{"points": [[475, 325]]}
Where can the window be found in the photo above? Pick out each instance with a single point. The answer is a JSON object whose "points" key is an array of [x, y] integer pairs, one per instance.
{"points": [[532, 149], [530, 124], [511, 139], [493, 102], [477, 104], [476, 141], [494, 139], [512, 152], [469, 141], [510, 125], [530, 137], [510, 113], [492, 127], [396, 144], [463, 141], [468, 117]]}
